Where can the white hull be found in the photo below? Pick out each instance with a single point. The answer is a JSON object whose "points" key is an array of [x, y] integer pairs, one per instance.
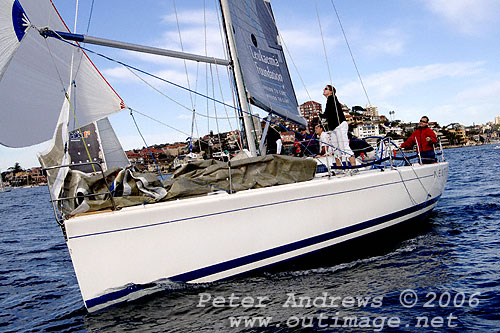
{"points": [[213, 237]]}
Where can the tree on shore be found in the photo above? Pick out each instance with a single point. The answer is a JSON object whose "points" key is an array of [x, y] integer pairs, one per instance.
{"points": [[16, 168]]}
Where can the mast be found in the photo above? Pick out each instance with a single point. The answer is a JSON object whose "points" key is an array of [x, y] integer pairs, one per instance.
{"points": [[242, 96]]}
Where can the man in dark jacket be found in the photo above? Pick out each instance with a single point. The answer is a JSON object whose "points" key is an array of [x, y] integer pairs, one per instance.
{"points": [[425, 138], [337, 126]]}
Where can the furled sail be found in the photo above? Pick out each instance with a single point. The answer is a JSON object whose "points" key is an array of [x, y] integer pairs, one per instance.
{"points": [[262, 60], [35, 75]]}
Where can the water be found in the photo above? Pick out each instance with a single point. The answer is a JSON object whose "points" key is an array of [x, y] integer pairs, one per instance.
{"points": [[451, 263]]}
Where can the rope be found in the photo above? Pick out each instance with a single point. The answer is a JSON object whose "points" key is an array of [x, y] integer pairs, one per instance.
{"points": [[295, 66], [215, 106], [80, 131], [90, 16], [182, 48], [228, 72], [158, 121], [147, 147], [222, 97], [289, 54], [67, 97], [206, 65], [163, 94], [179, 86], [323, 41], [194, 123], [350, 52]]}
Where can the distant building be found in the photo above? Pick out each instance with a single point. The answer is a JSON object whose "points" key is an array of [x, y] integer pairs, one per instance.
{"points": [[310, 110], [389, 129], [366, 130], [175, 149], [497, 120], [133, 157], [371, 111]]}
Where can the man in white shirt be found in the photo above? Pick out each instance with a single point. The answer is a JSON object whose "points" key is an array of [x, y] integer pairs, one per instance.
{"points": [[324, 140]]}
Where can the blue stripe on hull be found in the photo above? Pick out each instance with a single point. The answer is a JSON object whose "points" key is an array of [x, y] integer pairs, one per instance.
{"points": [[217, 268]]}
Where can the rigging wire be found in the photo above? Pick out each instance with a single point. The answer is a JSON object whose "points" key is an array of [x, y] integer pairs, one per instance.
{"points": [[182, 48], [66, 95], [215, 106], [165, 95], [323, 41], [225, 109], [90, 16], [178, 85], [229, 75], [194, 121], [147, 147], [282, 41], [206, 65], [158, 121], [350, 52], [168, 82]]}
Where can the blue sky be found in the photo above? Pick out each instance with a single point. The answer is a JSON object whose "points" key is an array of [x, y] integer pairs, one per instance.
{"points": [[434, 57]]}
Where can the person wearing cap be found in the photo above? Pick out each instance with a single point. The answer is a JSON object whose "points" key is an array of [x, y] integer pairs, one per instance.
{"points": [[425, 138]]}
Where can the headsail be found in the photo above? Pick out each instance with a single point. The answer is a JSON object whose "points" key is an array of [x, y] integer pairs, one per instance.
{"points": [[96, 142], [34, 75], [262, 60]]}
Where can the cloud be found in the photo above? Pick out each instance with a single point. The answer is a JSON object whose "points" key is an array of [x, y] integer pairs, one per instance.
{"points": [[120, 73], [192, 17], [388, 42], [307, 39], [484, 92], [193, 41], [471, 17], [194, 25], [392, 83]]}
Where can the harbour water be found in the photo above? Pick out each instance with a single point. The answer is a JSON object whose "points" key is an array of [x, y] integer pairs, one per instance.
{"points": [[439, 275]]}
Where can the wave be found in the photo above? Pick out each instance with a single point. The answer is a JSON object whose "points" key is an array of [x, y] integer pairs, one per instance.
{"points": [[408, 246]]}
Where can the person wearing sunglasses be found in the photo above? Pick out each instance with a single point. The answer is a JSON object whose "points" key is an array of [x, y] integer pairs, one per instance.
{"points": [[425, 138], [337, 127]]}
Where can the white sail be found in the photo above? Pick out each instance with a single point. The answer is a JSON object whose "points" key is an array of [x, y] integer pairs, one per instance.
{"points": [[96, 142], [114, 156], [35, 73]]}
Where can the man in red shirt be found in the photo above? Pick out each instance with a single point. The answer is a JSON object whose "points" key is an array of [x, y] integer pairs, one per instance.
{"points": [[425, 138]]}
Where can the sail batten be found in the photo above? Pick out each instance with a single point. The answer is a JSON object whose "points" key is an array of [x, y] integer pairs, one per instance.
{"points": [[262, 60], [35, 74]]}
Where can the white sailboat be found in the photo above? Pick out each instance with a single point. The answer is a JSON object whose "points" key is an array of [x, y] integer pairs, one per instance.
{"points": [[118, 254]]}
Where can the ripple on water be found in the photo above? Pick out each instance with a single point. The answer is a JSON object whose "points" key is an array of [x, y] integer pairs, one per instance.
{"points": [[456, 251]]}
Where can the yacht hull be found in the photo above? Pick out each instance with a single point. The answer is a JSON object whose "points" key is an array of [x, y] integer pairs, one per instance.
{"points": [[217, 236]]}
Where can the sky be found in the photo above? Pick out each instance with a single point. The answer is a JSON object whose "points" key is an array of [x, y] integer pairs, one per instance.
{"points": [[438, 58]]}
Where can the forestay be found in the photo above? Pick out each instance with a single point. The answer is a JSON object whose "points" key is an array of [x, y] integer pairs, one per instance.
{"points": [[35, 73], [262, 60]]}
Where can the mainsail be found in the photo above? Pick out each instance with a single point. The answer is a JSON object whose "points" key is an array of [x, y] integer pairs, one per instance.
{"points": [[35, 76], [262, 60]]}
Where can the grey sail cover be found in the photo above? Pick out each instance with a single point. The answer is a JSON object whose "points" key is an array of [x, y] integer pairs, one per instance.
{"points": [[262, 61]]}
